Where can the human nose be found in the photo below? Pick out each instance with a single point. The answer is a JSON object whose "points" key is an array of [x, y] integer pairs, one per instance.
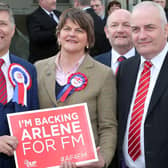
{"points": [[142, 34], [120, 28], [72, 32]]}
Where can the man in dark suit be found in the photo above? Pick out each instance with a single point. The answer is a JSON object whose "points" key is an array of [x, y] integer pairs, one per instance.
{"points": [[118, 32], [101, 43], [41, 25], [99, 8], [14, 72], [142, 85]]}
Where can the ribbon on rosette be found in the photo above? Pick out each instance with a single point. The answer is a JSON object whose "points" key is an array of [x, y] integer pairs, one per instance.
{"points": [[76, 82], [21, 81]]}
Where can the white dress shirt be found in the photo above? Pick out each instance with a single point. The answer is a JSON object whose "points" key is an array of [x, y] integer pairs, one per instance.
{"points": [[157, 62], [61, 76], [5, 68], [116, 55], [86, 7], [54, 16]]}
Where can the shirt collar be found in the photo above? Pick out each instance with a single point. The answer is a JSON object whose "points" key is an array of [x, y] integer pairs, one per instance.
{"points": [[76, 65], [116, 55], [5, 57], [158, 60], [102, 16], [48, 11], [85, 8]]}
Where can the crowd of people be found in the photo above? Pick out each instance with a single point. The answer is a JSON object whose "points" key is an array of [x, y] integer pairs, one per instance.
{"points": [[121, 58]]}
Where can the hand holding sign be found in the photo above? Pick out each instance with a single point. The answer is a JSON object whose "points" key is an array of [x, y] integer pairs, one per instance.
{"points": [[100, 163], [8, 144], [51, 136]]}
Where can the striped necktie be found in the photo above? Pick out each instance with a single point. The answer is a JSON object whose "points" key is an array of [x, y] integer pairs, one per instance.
{"points": [[134, 148], [3, 90]]}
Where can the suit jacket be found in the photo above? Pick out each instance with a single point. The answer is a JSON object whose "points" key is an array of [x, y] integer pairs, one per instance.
{"points": [[101, 42], [104, 20], [104, 58], [11, 107], [99, 94], [155, 126], [42, 34]]}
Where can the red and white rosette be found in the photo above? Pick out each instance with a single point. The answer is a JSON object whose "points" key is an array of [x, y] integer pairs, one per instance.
{"points": [[76, 82], [21, 81]]}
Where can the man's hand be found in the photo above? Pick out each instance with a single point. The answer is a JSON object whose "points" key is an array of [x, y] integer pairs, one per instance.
{"points": [[8, 144], [99, 164]]}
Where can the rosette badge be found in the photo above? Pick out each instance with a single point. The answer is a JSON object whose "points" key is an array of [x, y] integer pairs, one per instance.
{"points": [[21, 81], [76, 82]]}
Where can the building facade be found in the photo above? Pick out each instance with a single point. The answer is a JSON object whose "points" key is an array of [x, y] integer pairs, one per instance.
{"points": [[21, 8], [24, 7]]}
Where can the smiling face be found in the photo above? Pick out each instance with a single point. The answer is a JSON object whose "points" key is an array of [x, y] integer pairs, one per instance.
{"points": [[149, 31], [72, 38], [7, 30], [118, 29]]}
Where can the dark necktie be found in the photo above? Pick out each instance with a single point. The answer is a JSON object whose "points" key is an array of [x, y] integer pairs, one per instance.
{"points": [[3, 90], [120, 59], [52, 16], [134, 146]]}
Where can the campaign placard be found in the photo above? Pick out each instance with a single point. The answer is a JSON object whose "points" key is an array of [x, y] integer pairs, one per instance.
{"points": [[50, 136]]}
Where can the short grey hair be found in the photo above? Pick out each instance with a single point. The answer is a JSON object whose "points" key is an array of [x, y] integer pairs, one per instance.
{"points": [[6, 7], [154, 4]]}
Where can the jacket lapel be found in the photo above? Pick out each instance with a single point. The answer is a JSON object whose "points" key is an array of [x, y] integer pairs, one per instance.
{"points": [[132, 75], [49, 82], [160, 86], [86, 65], [126, 86], [108, 58], [12, 58], [46, 17]]}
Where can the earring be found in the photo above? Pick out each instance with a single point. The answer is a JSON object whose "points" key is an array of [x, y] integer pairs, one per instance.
{"points": [[59, 43]]}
